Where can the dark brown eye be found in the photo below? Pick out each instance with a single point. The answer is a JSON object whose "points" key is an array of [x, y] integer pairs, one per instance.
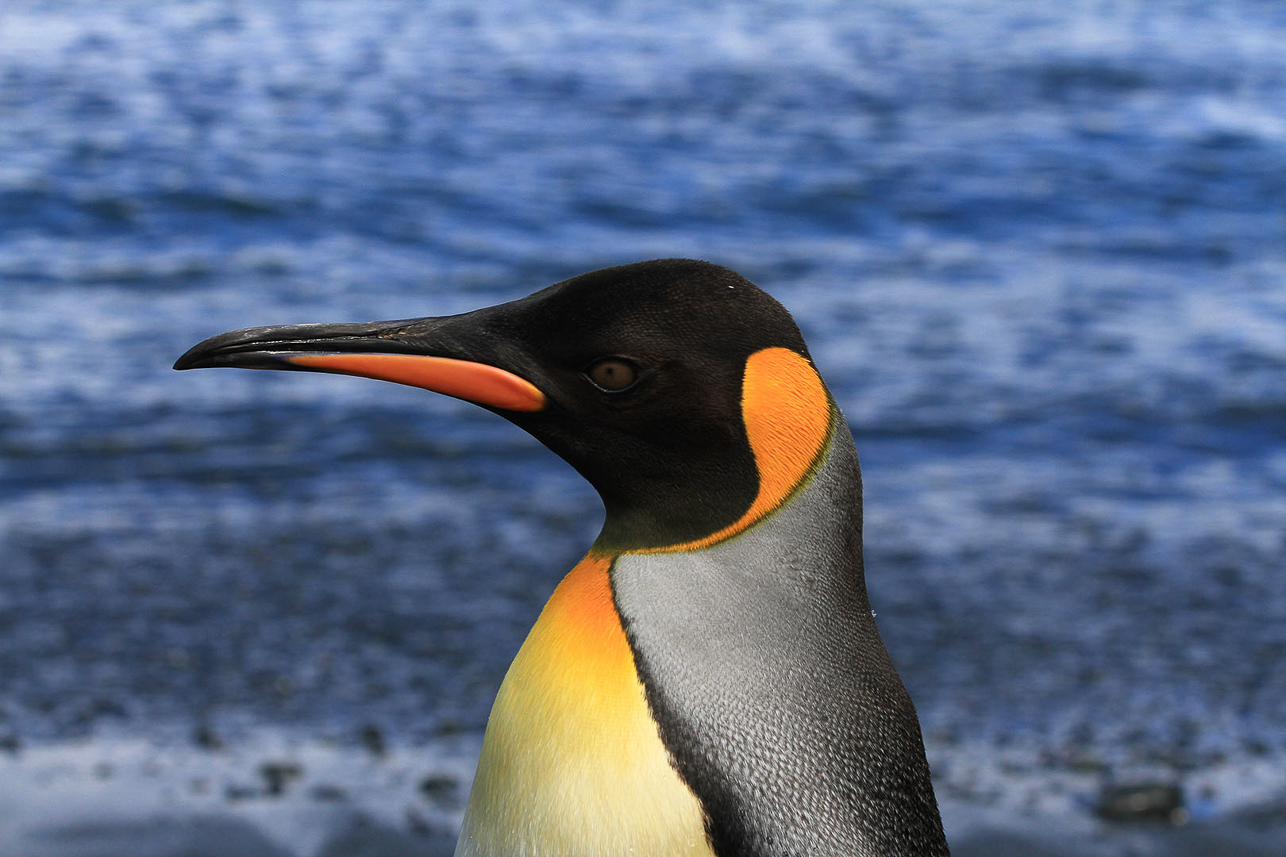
{"points": [[613, 374]]}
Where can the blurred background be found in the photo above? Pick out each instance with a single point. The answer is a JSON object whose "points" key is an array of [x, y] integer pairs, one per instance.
{"points": [[1038, 250]]}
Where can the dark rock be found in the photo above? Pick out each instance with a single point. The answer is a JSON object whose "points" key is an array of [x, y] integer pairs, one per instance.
{"points": [[417, 823], [439, 787], [450, 727], [1142, 802], [372, 738], [100, 707], [206, 738], [1257, 748], [277, 775]]}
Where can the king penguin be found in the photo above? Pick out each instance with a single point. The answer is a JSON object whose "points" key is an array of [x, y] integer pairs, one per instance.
{"points": [[709, 679]]}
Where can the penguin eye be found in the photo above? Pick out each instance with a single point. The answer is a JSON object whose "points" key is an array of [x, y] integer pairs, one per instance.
{"points": [[612, 374]]}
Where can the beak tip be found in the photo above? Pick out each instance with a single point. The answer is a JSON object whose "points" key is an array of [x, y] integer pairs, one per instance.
{"points": [[202, 354], [197, 357]]}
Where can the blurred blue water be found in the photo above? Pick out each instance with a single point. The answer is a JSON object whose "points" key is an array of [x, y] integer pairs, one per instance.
{"points": [[1039, 253]]}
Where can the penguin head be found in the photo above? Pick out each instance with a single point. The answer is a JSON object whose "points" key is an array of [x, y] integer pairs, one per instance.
{"points": [[667, 384]]}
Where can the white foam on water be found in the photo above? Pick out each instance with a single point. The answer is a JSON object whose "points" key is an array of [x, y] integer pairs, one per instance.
{"points": [[46, 791]]}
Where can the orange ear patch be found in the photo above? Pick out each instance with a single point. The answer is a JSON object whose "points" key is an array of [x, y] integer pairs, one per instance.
{"points": [[788, 417]]}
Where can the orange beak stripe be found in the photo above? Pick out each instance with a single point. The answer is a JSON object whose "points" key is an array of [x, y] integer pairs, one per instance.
{"points": [[463, 379]]}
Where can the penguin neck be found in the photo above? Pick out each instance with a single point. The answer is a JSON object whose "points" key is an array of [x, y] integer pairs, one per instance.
{"points": [[766, 673], [675, 507]]}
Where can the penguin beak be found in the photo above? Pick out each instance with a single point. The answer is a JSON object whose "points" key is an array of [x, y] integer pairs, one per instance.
{"points": [[431, 353]]}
